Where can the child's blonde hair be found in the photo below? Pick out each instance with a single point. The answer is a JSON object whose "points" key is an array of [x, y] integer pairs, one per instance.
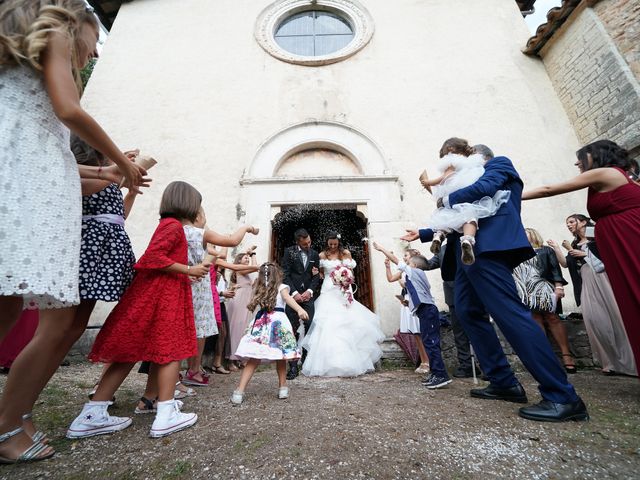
{"points": [[26, 26], [265, 290]]}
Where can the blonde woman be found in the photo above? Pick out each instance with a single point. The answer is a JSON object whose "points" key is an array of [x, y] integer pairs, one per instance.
{"points": [[43, 46], [540, 285]]}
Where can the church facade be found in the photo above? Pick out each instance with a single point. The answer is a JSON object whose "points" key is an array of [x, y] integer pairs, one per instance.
{"points": [[322, 114]]}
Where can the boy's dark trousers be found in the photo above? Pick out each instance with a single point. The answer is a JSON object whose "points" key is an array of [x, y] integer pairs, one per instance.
{"points": [[430, 332]]}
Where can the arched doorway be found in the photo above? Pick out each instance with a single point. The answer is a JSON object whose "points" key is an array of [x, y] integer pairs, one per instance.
{"points": [[318, 220]]}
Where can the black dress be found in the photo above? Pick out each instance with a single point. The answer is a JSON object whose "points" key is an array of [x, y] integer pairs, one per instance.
{"points": [[106, 256]]}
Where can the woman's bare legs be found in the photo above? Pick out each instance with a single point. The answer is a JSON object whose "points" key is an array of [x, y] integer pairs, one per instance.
{"points": [[73, 333], [247, 373], [11, 308], [559, 333], [38, 362], [195, 362], [222, 335]]}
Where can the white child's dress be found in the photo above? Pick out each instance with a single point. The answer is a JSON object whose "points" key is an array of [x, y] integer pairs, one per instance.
{"points": [[467, 171], [269, 335], [40, 199], [203, 312]]}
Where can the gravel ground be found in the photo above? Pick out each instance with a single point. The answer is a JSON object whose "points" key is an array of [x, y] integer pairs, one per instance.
{"points": [[382, 425]]}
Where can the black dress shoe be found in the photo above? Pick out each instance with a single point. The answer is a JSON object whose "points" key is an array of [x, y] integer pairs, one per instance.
{"points": [[463, 372], [547, 411], [509, 394], [293, 372]]}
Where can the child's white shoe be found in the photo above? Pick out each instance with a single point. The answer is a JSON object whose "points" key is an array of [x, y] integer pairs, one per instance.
{"points": [[237, 397], [436, 242], [466, 244], [283, 393], [95, 420], [170, 419]]}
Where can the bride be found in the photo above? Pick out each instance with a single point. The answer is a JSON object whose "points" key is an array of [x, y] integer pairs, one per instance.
{"points": [[345, 336]]}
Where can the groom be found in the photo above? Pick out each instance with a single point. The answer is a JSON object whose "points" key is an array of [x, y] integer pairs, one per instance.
{"points": [[300, 265], [487, 285]]}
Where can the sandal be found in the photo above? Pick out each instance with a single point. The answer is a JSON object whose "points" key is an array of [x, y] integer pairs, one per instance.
{"points": [[38, 436], [31, 454], [182, 391], [571, 367], [149, 406], [221, 370], [190, 379]]}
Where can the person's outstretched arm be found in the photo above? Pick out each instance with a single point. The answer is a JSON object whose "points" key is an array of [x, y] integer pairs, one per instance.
{"points": [[386, 253], [598, 178]]}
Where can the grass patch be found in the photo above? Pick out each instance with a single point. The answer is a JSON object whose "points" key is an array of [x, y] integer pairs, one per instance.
{"points": [[179, 470]]}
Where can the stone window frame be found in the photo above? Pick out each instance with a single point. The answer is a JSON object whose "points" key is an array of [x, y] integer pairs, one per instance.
{"points": [[271, 17]]}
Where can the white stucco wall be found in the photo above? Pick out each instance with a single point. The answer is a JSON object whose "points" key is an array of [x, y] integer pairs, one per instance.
{"points": [[186, 82]]}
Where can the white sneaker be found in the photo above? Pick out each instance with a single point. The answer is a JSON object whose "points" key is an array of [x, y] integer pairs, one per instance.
{"points": [[283, 393], [237, 397], [170, 419], [95, 420]]}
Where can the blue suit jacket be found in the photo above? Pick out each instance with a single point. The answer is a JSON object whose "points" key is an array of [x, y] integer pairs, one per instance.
{"points": [[500, 235]]}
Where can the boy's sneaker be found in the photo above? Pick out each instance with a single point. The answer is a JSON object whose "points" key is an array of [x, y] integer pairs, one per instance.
{"points": [[170, 420], [438, 382], [95, 420], [427, 379]]}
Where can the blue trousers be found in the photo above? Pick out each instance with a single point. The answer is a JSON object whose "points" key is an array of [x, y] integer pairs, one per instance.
{"points": [[488, 284], [430, 333]]}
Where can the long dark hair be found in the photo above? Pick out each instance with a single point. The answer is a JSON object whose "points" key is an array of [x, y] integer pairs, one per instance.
{"points": [[237, 260], [578, 217], [265, 288], [604, 153], [333, 236]]}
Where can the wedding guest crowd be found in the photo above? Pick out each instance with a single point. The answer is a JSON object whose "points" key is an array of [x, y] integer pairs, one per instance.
{"points": [[175, 296]]}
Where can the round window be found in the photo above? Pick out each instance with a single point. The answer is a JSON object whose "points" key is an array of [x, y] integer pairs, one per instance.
{"points": [[314, 33], [328, 32]]}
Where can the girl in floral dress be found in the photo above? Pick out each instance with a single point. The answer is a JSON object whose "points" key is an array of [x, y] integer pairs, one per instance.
{"points": [[269, 336]]}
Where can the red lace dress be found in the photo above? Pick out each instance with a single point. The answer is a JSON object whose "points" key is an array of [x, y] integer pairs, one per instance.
{"points": [[154, 319], [617, 216]]}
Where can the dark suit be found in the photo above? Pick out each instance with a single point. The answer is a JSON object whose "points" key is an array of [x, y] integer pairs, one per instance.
{"points": [[501, 244], [300, 279]]}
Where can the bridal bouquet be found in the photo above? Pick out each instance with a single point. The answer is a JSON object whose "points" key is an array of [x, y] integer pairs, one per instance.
{"points": [[342, 277]]}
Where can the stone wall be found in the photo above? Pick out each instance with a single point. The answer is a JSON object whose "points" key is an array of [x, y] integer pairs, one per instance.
{"points": [[594, 63], [621, 20]]}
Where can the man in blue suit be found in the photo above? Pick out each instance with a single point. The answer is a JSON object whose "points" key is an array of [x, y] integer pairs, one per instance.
{"points": [[501, 244]]}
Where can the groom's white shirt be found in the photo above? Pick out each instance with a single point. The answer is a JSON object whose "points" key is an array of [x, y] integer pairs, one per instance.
{"points": [[305, 260]]}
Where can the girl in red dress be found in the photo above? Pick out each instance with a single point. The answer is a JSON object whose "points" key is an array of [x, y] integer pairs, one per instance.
{"points": [[153, 322], [614, 202]]}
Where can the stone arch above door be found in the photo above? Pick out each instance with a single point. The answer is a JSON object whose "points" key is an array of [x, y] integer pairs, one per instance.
{"points": [[272, 156]]}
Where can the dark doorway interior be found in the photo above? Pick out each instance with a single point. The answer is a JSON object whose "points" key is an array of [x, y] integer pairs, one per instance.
{"points": [[318, 220]]}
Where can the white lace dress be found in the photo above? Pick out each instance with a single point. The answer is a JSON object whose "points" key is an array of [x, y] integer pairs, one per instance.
{"points": [[40, 199], [467, 171], [201, 293], [344, 339]]}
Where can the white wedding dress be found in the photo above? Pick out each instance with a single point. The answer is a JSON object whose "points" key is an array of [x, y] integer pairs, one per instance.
{"points": [[344, 339]]}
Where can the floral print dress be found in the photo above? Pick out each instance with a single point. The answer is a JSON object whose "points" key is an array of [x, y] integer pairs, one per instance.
{"points": [[269, 335]]}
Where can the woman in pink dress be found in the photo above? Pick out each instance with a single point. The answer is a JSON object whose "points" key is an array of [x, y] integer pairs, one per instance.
{"points": [[237, 312], [614, 202]]}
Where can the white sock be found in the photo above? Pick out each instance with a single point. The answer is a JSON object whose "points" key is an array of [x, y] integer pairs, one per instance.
{"points": [[165, 408], [469, 238]]}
